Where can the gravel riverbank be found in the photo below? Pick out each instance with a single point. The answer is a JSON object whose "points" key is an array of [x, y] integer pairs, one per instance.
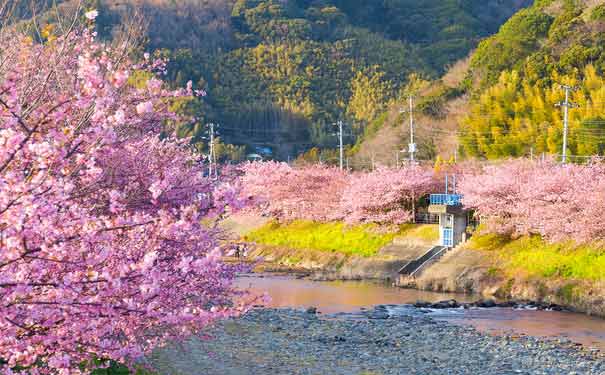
{"points": [[268, 341]]}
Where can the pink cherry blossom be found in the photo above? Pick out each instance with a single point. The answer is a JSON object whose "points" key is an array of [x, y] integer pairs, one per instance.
{"points": [[558, 202], [387, 195], [98, 213], [91, 14], [144, 107], [325, 193], [288, 193], [120, 78]]}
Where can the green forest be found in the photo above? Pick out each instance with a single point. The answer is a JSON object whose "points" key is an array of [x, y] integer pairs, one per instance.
{"points": [[279, 73], [518, 75]]}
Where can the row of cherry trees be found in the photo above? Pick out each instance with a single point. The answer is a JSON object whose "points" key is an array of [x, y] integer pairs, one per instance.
{"points": [[559, 202], [319, 193], [103, 250]]}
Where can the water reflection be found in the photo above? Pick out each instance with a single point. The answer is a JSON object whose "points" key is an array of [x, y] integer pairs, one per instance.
{"points": [[350, 296], [583, 329], [335, 296]]}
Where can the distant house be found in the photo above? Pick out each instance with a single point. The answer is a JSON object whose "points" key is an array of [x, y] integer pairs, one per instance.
{"points": [[254, 157]]}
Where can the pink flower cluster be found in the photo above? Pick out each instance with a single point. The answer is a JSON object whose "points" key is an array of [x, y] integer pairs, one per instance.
{"points": [[325, 193], [386, 195], [103, 250], [558, 202], [288, 193]]}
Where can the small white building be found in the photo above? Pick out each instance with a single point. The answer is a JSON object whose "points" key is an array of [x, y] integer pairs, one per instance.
{"points": [[452, 218]]}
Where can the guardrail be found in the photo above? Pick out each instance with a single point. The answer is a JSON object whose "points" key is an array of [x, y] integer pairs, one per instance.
{"points": [[446, 199], [413, 267]]}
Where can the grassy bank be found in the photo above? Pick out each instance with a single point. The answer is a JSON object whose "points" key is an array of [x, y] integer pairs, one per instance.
{"points": [[362, 240], [530, 256]]}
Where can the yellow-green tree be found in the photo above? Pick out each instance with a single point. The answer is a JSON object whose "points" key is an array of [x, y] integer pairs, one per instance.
{"points": [[513, 117], [370, 95]]}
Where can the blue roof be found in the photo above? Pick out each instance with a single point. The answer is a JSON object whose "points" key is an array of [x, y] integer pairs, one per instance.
{"points": [[446, 199]]}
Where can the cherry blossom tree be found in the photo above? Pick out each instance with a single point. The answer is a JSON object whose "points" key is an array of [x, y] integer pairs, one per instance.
{"points": [[311, 192], [387, 195], [558, 202], [103, 254]]}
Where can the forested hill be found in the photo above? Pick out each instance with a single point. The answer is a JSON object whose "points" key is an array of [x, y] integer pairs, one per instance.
{"points": [[517, 76], [277, 72]]}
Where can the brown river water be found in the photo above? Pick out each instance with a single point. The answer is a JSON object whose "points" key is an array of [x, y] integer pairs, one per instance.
{"points": [[350, 296]]}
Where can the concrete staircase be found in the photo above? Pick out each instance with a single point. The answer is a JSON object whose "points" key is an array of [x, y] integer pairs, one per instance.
{"points": [[415, 267]]}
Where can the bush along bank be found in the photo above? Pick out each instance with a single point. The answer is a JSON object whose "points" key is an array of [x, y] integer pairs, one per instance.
{"points": [[561, 273]]}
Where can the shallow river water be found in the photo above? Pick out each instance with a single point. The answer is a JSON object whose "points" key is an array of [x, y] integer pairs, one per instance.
{"points": [[350, 296]]}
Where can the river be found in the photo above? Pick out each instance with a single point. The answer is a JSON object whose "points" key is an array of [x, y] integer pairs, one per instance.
{"points": [[349, 296]]}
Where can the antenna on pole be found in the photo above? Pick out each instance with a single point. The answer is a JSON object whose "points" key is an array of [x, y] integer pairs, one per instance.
{"points": [[566, 105], [454, 183]]}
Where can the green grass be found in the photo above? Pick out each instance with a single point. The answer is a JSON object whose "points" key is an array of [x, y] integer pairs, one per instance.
{"points": [[428, 233], [363, 240], [533, 256]]}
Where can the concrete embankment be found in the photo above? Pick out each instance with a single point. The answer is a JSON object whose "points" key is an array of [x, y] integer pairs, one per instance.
{"points": [[467, 270]]}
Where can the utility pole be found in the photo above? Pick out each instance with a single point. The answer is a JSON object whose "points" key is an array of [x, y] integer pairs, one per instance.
{"points": [[566, 105], [412, 146], [342, 154], [340, 136], [212, 166]]}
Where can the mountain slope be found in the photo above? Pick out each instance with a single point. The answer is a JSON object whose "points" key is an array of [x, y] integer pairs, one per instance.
{"points": [[278, 73], [517, 76]]}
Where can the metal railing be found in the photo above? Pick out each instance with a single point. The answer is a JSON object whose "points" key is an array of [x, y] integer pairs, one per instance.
{"points": [[427, 218], [446, 199], [414, 266]]}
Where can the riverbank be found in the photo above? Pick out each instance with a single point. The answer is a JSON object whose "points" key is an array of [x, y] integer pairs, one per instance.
{"points": [[525, 268], [489, 266], [269, 341], [333, 251]]}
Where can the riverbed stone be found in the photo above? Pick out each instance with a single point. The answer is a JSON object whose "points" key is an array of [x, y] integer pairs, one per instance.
{"points": [[286, 341]]}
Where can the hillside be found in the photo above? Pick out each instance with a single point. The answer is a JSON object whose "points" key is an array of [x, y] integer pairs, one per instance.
{"points": [[516, 78], [505, 100], [279, 72], [440, 106]]}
